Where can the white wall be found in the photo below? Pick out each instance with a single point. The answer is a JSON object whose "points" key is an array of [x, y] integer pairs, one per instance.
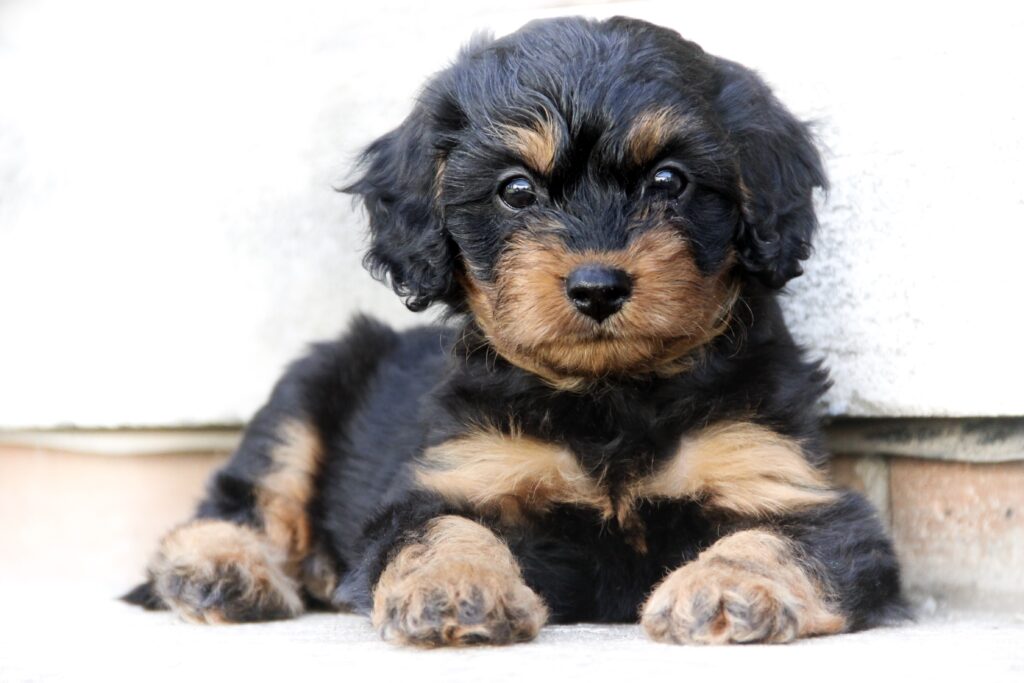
{"points": [[169, 237]]}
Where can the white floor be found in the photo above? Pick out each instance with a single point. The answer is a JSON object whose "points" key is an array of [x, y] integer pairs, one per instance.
{"points": [[84, 635]]}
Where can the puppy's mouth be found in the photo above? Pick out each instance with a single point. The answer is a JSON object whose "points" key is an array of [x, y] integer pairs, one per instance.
{"points": [[539, 317], [602, 334]]}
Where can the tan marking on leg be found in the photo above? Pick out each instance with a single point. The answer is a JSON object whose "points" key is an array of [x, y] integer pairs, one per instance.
{"points": [[747, 588], [651, 131], [741, 467], [214, 571], [508, 474], [537, 145], [458, 585], [284, 494], [528, 319]]}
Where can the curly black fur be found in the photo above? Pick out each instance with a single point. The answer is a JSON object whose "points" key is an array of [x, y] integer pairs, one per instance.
{"points": [[377, 399]]}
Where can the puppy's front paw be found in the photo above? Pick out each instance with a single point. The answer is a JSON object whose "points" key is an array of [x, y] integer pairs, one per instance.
{"points": [[458, 586], [457, 605], [702, 605], [212, 571], [739, 592]]}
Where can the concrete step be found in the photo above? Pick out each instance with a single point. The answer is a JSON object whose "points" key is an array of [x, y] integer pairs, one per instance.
{"points": [[82, 635]]}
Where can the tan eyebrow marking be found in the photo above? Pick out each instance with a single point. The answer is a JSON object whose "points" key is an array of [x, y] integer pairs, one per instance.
{"points": [[537, 145], [651, 130]]}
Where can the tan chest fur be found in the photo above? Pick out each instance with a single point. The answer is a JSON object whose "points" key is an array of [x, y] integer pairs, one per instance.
{"points": [[739, 467]]}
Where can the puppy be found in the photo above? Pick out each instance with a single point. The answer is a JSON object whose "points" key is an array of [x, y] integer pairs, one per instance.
{"points": [[615, 424]]}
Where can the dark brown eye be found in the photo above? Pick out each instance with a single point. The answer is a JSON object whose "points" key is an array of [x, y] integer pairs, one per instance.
{"points": [[518, 192], [669, 182]]}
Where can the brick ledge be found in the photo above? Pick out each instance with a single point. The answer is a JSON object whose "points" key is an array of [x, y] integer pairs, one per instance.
{"points": [[981, 440]]}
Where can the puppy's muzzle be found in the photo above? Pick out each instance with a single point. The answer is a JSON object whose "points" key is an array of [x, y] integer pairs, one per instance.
{"points": [[598, 291]]}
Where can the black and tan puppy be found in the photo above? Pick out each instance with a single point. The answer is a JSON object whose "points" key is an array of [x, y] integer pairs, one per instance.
{"points": [[616, 424]]}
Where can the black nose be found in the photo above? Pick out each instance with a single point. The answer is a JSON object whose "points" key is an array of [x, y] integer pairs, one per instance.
{"points": [[598, 291]]}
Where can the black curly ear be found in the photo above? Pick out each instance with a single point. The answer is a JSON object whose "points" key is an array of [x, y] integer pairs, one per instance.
{"points": [[779, 169], [409, 248]]}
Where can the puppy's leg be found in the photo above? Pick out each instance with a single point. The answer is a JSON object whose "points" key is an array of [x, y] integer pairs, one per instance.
{"points": [[456, 584], [826, 571], [252, 545], [240, 559]]}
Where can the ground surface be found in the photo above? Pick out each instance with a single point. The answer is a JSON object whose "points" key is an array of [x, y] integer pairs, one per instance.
{"points": [[76, 530], [81, 634]]}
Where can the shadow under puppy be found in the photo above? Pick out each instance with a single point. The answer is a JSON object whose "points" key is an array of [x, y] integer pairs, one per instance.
{"points": [[615, 422]]}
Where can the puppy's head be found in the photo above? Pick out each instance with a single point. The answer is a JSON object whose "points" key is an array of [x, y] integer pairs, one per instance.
{"points": [[593, 193]]}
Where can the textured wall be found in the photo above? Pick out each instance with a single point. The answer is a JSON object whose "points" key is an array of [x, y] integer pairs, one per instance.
{"points": [[169, 236]]}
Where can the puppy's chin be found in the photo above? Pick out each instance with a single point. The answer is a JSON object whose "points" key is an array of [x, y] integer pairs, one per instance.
{"points": [[609, 355], [674, 309]]}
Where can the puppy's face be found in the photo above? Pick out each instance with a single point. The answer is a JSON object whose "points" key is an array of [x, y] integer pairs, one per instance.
{"points": [[593, 193], [596, 237]]}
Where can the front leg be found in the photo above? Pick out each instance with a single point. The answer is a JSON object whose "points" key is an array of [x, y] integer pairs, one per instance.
{"points": [[456, 584], [826, 570], [253, 550]]}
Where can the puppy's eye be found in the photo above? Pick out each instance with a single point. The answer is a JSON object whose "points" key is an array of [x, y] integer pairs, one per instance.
{"points": [[518, 192], [668, 181]]}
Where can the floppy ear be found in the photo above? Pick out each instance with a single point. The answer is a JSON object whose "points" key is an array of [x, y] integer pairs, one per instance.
{"points": [[779, 168], [409, 248]]}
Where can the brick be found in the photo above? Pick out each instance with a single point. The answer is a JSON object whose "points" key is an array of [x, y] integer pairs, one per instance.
{"points": [[89, 517], [959, 530]]}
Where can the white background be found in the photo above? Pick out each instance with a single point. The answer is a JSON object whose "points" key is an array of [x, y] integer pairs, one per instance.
{"points": [[169, 237]]}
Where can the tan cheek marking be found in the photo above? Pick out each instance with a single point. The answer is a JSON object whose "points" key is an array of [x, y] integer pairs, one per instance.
{"points": [[760, 574], [536, 146], [529, 320], [284, 494], [508, 474], [547, 312], [741, 467]]}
